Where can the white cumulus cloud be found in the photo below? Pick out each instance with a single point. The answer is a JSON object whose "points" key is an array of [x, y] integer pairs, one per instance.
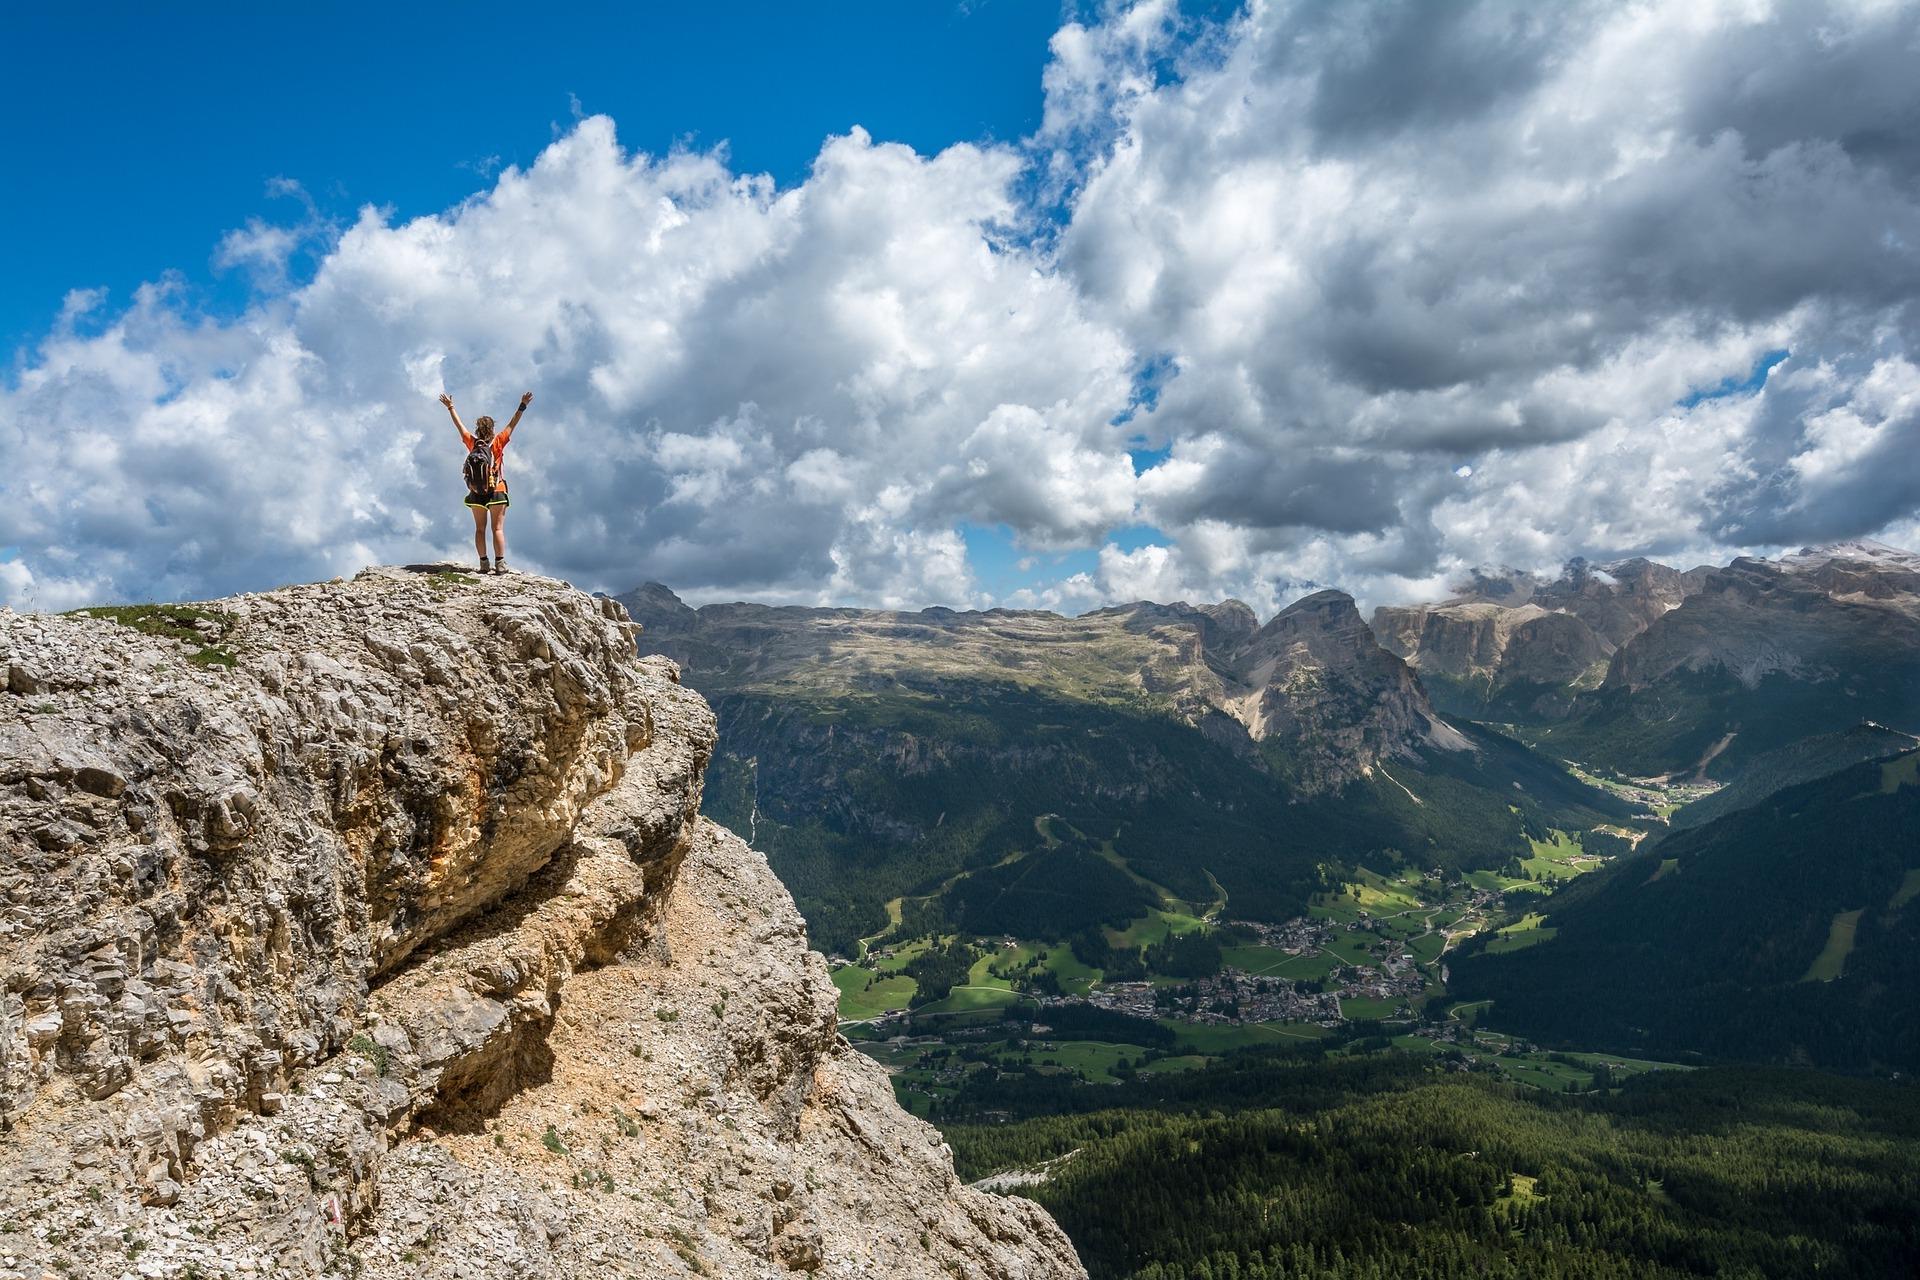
{"points": [[1343, 246]]}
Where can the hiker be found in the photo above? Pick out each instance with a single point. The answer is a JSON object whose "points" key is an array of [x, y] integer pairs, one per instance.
{"points": [[486, 489]]}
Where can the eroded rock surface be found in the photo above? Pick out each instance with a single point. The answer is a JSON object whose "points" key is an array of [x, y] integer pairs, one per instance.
{"points": [[1519, 646], [344, 930], [1314, 682]]}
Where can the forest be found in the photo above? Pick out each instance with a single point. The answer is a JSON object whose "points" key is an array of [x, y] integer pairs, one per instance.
{"points": [[1757, 937], [1298, 1166]]}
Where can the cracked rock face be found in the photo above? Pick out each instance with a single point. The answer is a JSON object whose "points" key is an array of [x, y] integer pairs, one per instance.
{"points": [[301, 931]]}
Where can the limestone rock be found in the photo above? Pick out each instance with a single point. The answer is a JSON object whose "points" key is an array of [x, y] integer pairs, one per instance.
{"points": [[336, 931], [1512, 644]]}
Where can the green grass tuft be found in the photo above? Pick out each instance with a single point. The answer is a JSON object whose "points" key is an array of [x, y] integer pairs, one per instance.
{"points": [[171, 622], [374, 1052]]}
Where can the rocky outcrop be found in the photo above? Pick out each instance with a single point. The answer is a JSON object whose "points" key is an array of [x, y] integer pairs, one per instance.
{"points": [[1316, 680], [1514, 645], [368, 928], [1824, 614]]}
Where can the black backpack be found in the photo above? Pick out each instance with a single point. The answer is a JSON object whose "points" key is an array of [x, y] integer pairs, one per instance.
{"points": [[478, 468]]}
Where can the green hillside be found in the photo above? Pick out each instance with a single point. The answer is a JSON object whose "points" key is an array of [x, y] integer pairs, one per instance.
{"points": [[1797, 762], [1713, 722], [1785, 932], [864, 799]]}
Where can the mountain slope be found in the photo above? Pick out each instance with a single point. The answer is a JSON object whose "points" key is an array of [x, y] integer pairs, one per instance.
{"points": [[1788, 932], [1763, 653], [879, 756], [1518, 648], [1804, 760]]}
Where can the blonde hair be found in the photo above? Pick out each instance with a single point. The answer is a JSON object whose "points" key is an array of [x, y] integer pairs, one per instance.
{"points": [[483, 426]]}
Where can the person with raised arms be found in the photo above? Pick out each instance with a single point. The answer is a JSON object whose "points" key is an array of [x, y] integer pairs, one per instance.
{"points": [[486, 487]]}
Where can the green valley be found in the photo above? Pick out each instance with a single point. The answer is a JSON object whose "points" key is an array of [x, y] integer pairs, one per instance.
{"points": [[1784, 932], [1246, 960]]}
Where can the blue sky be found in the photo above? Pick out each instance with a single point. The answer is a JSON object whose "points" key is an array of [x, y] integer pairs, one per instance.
{"points": [[1028, 302], [137, 134]]}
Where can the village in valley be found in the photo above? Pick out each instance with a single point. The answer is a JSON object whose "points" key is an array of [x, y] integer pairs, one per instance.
{"points": [[1364, 969]]}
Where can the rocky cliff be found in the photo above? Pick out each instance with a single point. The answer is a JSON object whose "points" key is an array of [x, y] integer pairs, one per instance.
{"points": [[370, 929], [1316, 678], [1315, 682], [1823, 614], [1517, 646]]}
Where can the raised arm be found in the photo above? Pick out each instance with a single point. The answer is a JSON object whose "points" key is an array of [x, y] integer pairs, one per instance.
{"points": [[526, 399], [447, 400]]}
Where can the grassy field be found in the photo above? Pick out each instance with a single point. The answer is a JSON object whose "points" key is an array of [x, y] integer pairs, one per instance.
{"points": [[1523, 1192], [1529, 930], [1152, 927], [1382, 895], [1272, 962], [1909, 890], [1543, 1073], [1561, 858], [1832, 960], [859, 1001], [1520, 941], [1468, 1012], [1628, 1066], [1093, 1059], [1494, 882], [1211, 1038], [1354, 948], [982, 975], [970, 999], [1076, 979], [1362, 1008]]}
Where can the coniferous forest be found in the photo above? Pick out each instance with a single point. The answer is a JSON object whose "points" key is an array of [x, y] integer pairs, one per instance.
{"points": [[1376, 1168]]}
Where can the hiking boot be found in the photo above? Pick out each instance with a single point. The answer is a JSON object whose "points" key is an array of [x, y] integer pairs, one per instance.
{"points": [[500, 566], [486, 566]]}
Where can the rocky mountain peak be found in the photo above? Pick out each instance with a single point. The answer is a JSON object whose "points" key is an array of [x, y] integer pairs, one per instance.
{"points": [[1326, 610], [354, 928], [1857, 549], [658, 609], [1317, 681], [1518, 646], [1849, 607]]}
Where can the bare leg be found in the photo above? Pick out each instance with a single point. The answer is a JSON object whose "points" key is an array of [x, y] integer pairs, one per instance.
{"points": [[499, 515], [479, 531]]}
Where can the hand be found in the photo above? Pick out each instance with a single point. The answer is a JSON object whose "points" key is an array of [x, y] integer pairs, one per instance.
{"points": [[446, 400], [526, 399]]}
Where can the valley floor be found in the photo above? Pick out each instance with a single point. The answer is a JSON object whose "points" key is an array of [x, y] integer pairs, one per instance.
{"points": [[1364, 969]]}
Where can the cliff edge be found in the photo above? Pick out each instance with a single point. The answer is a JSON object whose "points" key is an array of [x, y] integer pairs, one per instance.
{"points": [[370, 929]]}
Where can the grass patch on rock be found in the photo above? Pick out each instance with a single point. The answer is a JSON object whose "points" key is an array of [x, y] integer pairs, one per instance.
{"points": [[202, 628]]}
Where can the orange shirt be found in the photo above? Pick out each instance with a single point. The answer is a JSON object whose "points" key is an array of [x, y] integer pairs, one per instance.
{"points": [[499, 452]]}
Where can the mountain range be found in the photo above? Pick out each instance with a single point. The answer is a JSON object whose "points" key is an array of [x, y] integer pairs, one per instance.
{"points": [[1649, 671], [888, 761], [875, 755]]}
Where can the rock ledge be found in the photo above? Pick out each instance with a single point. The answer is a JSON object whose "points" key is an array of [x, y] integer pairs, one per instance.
{"points": [[369, 928]]}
